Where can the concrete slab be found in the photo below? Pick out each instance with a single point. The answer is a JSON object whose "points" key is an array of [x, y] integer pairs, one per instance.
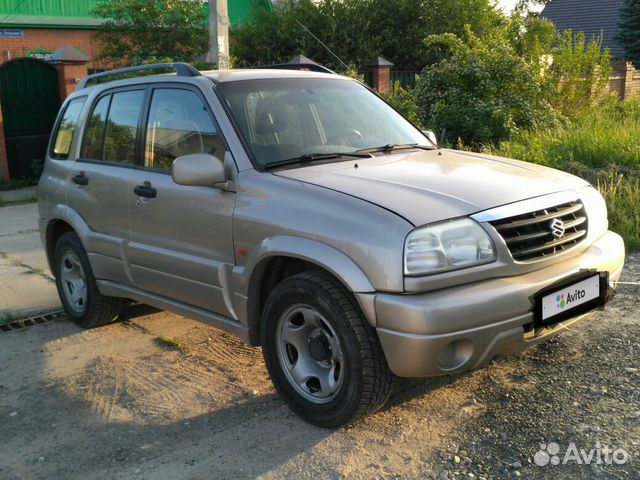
{"points": [[26, 284], [18, 218], [21, 195], [24, 293]]}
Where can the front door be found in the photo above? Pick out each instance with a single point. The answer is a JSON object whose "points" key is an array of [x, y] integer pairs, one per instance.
{"points": [[181, 237]]}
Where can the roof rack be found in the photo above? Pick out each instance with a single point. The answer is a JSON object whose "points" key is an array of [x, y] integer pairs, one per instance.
{"points": [[314, 67], [182, 70]]}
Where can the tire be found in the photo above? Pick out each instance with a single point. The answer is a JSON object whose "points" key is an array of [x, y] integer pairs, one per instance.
{"points": [[328, 381], [77, 286]]}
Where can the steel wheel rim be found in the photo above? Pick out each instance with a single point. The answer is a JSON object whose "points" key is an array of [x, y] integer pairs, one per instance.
{"points": [[73, 282], [300, 329]]}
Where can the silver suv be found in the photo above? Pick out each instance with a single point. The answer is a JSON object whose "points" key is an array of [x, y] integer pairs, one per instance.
{"points": [[300, 212]]}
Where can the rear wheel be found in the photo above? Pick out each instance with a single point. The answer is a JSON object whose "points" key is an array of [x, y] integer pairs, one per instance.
{"points": [[322, 355], [77, 286]]}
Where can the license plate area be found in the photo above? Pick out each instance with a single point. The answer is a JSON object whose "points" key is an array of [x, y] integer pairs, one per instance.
{"points": [[572, 296]]}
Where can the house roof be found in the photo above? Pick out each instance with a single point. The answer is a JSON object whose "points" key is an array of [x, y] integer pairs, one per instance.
{"points": [[75, 14], [70, 54], [593, 17]]}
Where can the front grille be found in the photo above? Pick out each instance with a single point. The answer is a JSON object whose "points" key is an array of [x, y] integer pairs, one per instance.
{"points": [[530, 236]]}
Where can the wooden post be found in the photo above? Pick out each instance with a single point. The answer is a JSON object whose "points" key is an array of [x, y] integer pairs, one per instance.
{"points": [[381, 74]]}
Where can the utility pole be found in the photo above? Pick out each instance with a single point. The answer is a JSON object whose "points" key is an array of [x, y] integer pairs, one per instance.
{"points": [[219, 33]]}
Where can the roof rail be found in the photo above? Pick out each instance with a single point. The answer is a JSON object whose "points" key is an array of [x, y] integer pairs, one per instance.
{"points": [[182, 70], [314, 67]]}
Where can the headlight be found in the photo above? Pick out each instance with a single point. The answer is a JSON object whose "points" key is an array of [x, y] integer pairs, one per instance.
{"points": [[446, 246], [596, 211]]}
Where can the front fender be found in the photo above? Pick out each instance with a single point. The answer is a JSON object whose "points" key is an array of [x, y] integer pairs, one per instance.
{"points": [[321, 254]]}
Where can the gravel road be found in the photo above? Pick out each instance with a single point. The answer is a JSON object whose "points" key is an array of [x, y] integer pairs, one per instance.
{"points": [[157, 396]]}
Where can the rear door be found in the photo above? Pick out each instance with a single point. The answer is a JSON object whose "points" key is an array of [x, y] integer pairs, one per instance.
{"points": [[181, 237], [100, 186]]}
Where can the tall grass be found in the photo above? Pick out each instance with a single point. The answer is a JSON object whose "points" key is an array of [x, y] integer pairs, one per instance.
{"points": [[596, 138], [601, 145]]}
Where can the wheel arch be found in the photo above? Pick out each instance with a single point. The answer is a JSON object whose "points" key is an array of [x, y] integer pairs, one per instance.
{"points": [[62, 220], [282, 257]]}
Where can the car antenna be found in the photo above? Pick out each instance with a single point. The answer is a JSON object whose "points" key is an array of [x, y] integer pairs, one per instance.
{"points": [[321, 43]]}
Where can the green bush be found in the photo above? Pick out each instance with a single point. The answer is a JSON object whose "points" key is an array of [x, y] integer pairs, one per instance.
{"points": [[404, 101], [481, 92]]}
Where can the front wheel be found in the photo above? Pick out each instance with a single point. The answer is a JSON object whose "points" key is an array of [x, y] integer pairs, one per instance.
{"points": [[322, 355]]}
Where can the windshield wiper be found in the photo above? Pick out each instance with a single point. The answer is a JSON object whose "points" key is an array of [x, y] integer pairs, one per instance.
{"points": [[310, 157], [389, 147]]}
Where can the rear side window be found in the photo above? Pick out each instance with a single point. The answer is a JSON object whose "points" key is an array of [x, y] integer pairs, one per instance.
{"points": [[93, 144], [113, 125], [66, 129]]}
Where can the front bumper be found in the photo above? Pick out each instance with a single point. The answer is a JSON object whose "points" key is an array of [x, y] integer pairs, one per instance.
{"points": [[464, 327]]}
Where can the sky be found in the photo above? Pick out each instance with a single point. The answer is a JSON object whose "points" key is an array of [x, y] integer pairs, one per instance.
{"points": [[507, 5]]}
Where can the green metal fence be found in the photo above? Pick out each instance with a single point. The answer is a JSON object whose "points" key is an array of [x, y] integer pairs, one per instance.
{"points": [[407, 79]]}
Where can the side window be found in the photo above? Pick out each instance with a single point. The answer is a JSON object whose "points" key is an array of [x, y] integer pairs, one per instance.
{"points": [[93, 144], [112, 130], [66, 129], [179, 125], [122, 125]]}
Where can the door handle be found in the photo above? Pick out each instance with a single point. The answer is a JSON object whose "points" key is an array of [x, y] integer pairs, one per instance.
{"points": [[80, 179], [145, 190]]}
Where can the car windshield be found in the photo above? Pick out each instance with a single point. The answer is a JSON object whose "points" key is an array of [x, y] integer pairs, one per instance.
{"points": [[284, 120]]}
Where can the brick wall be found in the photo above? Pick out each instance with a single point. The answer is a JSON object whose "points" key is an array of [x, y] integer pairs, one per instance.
{"points": [[625, 81], [48, 39]]}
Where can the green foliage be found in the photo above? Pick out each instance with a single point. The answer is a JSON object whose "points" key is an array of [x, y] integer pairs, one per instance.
{"points": [[404, 101], [599, 137], [358, 30], [629, 30], [578, 75], [481, 92], [622, 196], [135, 31], [353, 72]]}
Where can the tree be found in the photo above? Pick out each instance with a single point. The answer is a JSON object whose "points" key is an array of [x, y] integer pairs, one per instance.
{"points": [[578, 73], [629, 30], [358, 30], [135, 31]]}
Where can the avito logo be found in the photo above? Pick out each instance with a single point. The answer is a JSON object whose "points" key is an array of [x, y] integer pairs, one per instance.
{"points": [[570, 297]]}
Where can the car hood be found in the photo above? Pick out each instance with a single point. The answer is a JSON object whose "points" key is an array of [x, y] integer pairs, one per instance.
{"points": [[428, 186]]}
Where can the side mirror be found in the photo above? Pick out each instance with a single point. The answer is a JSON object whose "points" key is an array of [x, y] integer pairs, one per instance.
{"points": [[431, 136], [198, 170]]}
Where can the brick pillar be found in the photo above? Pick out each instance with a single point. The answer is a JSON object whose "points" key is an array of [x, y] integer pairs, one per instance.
{"points": [[4, 159], [68, 76], [628, 87], [381, 74]]}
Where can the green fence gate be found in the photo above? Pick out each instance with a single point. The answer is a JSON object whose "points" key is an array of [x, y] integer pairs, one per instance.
{"points": [[30, 100]]}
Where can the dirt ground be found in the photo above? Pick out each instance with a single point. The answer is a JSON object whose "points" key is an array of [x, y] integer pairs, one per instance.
{"points": [[158, 396]]}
